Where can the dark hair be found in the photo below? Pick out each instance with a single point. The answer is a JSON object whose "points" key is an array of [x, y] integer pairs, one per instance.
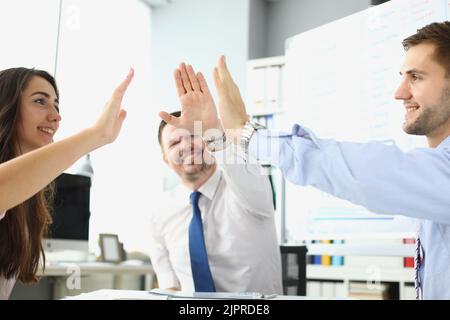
{"points": [[24, 226], [163, 124], [437, 34]]}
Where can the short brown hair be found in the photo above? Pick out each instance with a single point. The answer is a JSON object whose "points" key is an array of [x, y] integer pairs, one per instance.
{"points": [[163, 124], [437, 34]]}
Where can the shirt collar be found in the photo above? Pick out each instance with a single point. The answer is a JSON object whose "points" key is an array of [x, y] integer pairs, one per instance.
{"points": [[208, 189], [445, 143]]}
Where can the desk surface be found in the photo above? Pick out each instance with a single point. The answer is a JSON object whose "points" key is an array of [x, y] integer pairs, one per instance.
{"points": [[66, 268], [109, 294]]}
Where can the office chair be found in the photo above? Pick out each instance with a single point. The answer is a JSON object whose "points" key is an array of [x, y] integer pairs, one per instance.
{"points": [[293, 265]]}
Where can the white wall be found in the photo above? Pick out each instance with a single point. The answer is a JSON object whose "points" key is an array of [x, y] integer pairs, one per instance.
{"points": [[30, 44], [99, 41], [287, 18], [197, 32]]}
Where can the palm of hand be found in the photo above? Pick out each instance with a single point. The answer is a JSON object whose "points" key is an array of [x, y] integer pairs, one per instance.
{"points": [[198, 106], [231, 106], [230, 99]]}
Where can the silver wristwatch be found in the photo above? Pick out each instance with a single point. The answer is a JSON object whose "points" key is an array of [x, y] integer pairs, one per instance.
{"points": [[216, 144], [247, 132]]}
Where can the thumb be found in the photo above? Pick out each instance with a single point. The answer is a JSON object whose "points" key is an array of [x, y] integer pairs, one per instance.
{"points": [[121, 118], [167, 117], [122, 115], [118, 126]]}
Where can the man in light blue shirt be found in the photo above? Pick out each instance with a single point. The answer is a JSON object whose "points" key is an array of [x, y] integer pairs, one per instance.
{"points": [[380, 177]]}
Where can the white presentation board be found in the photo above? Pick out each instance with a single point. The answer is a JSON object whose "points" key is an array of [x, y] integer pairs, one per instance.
{"points": [[340, 81]]}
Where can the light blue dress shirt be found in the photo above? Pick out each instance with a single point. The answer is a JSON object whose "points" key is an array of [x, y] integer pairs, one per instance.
{"points": [[380, 177]]}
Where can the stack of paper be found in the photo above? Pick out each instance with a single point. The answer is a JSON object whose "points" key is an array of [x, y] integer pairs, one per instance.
{"points": [[109, 294]]}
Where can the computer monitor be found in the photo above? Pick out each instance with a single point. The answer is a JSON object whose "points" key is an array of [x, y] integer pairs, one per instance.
{"points": [[68, 236]]}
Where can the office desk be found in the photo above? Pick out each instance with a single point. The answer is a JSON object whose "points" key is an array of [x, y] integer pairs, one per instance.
{"points": [[68, 269], [88, 268], [106, 294], [61, 279]]}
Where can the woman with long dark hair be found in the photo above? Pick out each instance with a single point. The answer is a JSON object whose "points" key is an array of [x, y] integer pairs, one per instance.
{"points": [[30, 161]]}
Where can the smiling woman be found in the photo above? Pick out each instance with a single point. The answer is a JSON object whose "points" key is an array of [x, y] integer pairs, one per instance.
{"points": [[39, 111], [23, 115], [29, 162]]}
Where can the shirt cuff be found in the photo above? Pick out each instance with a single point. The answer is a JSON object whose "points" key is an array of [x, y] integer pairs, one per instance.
{"points": [[266, 145]]}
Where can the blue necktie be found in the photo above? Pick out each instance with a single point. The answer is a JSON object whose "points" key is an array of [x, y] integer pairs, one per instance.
{"points": [[201, 273]]}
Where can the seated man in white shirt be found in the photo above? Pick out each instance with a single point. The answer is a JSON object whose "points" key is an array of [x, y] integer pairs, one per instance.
{"points": [[235, 203]]}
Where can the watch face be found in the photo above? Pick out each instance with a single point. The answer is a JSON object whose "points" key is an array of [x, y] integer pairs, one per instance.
{"points": [[217, 144]]}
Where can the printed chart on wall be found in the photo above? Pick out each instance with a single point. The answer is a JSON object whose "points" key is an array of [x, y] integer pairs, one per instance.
{"points": [[340, 81]]}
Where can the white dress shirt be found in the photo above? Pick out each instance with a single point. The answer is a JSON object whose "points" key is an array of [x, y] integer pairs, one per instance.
{"points": [[380, 177], [239, 229], [6, 285]]}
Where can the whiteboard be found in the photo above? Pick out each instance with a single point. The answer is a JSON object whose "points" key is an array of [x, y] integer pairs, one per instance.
{"points": [[340, 81]]}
